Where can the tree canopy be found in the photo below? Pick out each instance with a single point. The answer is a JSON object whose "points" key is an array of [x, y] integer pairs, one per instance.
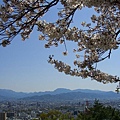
{"points": [[100, 112], [97, 112], [95, 42]]}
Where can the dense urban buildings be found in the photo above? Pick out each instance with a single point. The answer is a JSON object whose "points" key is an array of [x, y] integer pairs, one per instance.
{"points": [[29, 110]]}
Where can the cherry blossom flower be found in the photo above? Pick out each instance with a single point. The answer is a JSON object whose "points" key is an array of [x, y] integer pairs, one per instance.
{"points": [[21, 17]]}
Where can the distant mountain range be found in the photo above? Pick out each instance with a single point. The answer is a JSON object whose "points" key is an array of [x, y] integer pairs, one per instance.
{"points": [[60, 94]]}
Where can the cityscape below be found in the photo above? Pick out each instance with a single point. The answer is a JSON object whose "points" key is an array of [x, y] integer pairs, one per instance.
{"points": [[29, 106]]}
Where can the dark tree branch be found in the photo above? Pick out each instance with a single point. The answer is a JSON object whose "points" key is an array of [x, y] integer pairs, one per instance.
{"points": [[117, 33], [24, 24]]}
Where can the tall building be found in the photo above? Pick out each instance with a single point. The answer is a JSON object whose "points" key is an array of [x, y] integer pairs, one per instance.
{"points": [[2, 116], [10, 115]]}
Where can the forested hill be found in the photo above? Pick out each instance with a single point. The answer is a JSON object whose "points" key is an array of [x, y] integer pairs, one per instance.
{"points": [[58, 94]]}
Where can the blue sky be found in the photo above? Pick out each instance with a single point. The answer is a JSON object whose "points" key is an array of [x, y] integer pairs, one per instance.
{"points": [[24, 66]]}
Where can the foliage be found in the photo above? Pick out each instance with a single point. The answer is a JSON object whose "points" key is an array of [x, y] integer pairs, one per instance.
{"points": [[97, 112], [100, 112], [96, 41], [55, 115]]}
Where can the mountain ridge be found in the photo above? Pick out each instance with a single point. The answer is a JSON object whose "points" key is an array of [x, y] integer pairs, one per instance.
{"points": [[57, 93], [71, 96]]}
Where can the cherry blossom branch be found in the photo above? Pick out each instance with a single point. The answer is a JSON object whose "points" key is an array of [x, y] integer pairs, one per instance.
{"points": [[95, 42], [27, 25]]}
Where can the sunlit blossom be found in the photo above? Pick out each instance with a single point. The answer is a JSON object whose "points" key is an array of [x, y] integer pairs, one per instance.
{"points": [[21, 17]]}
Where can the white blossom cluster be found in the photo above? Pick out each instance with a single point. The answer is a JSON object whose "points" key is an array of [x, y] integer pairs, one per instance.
{"points": [[84, 73], [91, 3], [20, 17]]}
